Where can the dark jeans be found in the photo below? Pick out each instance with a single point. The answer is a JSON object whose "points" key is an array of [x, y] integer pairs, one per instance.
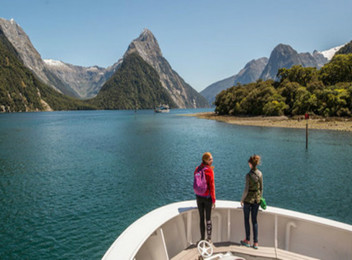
{"points": [[253, 209], [204, 204]]}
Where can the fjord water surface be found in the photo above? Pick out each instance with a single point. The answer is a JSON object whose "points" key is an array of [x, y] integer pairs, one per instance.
{"points": [[71, 182]]}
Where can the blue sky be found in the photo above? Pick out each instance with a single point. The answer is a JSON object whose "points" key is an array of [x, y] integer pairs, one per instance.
{"points": [[204, 41]]}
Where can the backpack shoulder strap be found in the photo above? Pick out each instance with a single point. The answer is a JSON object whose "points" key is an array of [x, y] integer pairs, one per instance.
{"points": [[200, 167], [255, 173], [251, 178]]}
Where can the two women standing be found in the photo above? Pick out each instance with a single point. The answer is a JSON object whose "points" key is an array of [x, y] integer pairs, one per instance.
{"points": [[250, 199]]}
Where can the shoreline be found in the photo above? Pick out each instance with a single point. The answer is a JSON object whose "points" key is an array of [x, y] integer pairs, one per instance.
{"points": [[335, 124]]}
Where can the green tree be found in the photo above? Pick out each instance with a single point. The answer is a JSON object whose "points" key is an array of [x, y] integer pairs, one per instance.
{"points": [[333, 101], [298, 74], [256, 99], [289, 91], [339, 69], [304, 102], [345, 49], [21, 91], [275, 107]]}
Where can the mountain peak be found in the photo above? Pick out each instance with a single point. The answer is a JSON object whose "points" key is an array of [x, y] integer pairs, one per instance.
{"points": [[282, 56], [19, 39], [283, 48], [9, 25], [146, 35], [282, 45], [254, 62], [145, 45]]}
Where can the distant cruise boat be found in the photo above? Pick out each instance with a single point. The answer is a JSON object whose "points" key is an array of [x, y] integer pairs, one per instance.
{"points": [[162, 108], [171, 232]]}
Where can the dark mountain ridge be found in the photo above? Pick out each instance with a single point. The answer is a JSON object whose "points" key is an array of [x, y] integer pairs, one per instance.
{"points": [[86, 82], [345, 49], [22, 91], [183, 95], [282, 56], [249, 73], [136, 85]]}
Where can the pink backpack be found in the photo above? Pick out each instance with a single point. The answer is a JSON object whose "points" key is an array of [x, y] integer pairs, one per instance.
{"points": [[200, 185]]}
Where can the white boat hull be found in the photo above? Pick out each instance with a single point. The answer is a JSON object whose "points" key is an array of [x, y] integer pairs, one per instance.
{"points": [[167, 231], [162, 111]]}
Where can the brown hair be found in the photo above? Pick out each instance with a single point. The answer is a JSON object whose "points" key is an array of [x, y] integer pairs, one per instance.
{"points": [[254, 160], [206, 157]]}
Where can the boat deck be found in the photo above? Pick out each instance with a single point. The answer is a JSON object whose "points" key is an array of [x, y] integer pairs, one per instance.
{"points": [[263, 253], [168, 232]]}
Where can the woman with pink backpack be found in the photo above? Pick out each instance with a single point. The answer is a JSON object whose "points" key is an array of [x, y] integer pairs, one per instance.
{"points": [[204, 188]]}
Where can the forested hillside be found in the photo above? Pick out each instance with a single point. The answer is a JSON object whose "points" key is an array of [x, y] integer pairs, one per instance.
{"points": [[325, 92], [345, 49], [21, 91], [136, 85]]}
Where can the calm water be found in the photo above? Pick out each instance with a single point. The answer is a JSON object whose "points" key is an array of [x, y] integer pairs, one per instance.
{"points": [[71, 182]]}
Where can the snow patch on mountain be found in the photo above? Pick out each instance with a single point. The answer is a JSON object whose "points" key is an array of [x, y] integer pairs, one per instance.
{"points": [[331, 52], [55, 63], [93, 69]]}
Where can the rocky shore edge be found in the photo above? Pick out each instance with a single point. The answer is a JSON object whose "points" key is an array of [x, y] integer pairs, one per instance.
{"points": [[331, 123]]}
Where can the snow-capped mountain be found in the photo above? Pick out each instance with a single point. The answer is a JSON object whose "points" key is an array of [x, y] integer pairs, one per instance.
{"points": [[53, 63], [30, 56], [284, 56], [86, 81], [281, 56], [75, 81], [331, 52]]}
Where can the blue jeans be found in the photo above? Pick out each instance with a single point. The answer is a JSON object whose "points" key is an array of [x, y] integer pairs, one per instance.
{"points": [[253, 209]]}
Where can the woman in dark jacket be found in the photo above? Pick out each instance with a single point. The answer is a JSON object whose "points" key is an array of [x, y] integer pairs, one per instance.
{"points": [[251, 200]]}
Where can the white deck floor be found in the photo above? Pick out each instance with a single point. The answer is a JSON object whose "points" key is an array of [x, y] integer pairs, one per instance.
{"points": [[263, 253]]}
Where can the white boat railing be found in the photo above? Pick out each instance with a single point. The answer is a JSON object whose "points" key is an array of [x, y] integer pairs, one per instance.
{"points": [[166, 231]]}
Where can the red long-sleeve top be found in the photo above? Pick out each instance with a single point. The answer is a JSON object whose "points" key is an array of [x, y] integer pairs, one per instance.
{"points": [[209, 176]]}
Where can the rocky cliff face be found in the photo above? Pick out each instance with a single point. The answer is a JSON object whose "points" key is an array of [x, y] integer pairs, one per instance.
{"points": [[86, 81], [135, 85], [181, 93], [250, 73], [19, 39], [320, 59], [22, 91], [212, 90], [75, 81], [284, 56], [31, 58]]}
